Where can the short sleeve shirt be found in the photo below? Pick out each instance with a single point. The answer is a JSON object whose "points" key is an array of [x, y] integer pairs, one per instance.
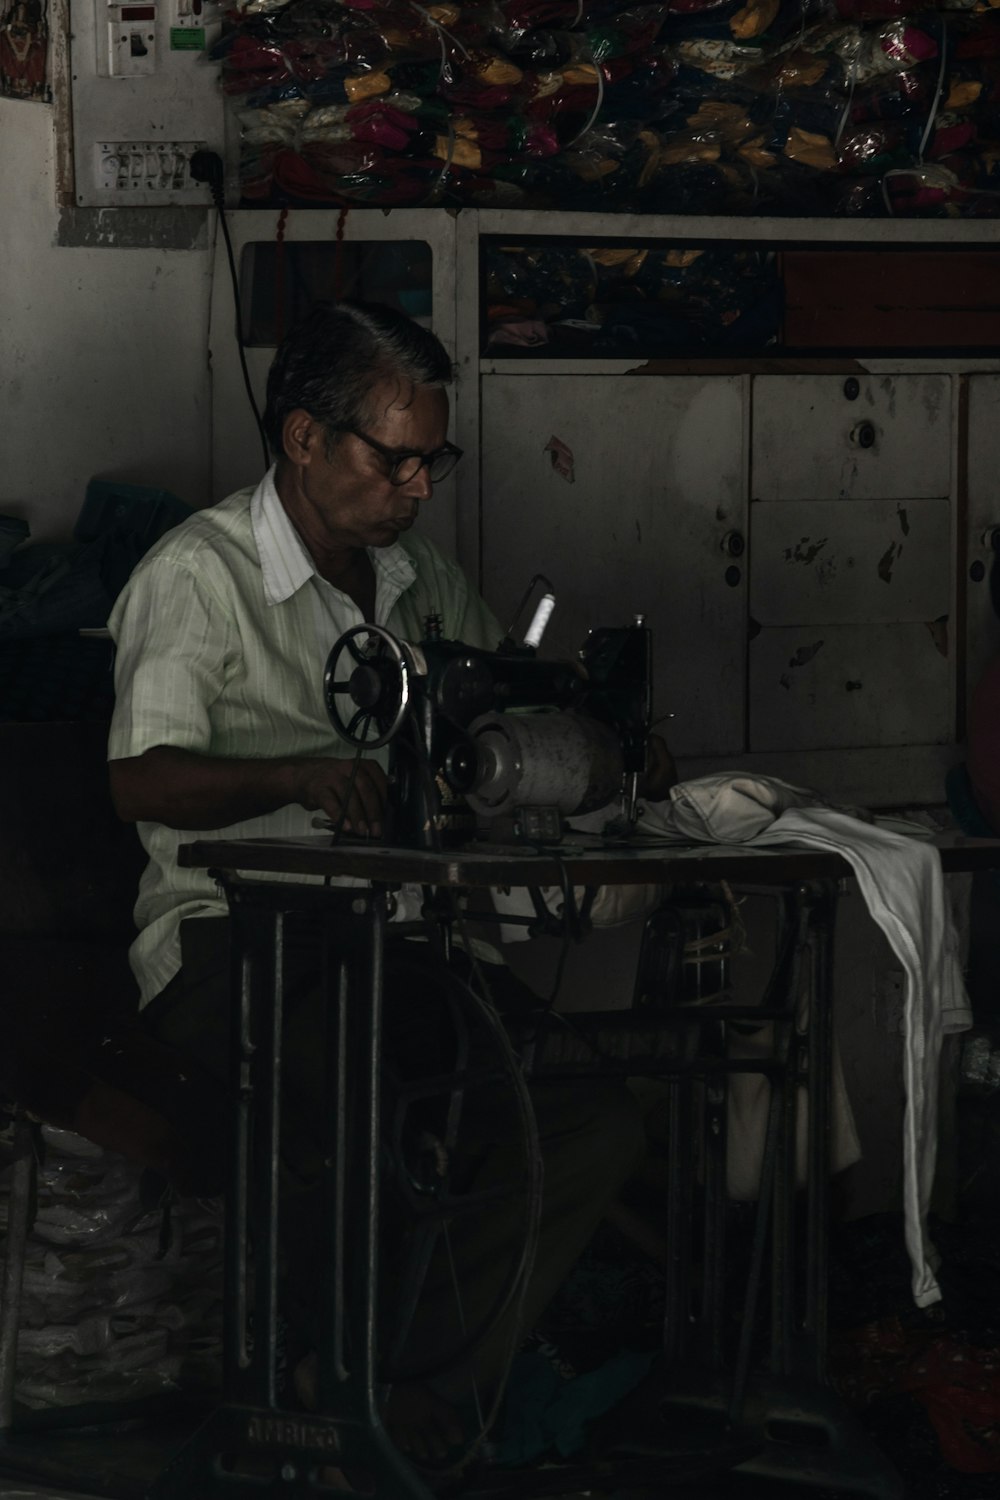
{"points": [[222, 635]]}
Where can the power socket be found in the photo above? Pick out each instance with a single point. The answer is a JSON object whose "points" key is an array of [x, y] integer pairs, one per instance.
{"points": [[147, 173]]}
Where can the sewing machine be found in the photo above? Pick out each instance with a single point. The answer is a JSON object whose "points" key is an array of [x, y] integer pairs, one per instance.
{"points": [[478, 735]]}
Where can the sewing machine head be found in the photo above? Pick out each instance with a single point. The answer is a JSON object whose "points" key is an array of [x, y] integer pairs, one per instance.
{"points": [[475, 735]]}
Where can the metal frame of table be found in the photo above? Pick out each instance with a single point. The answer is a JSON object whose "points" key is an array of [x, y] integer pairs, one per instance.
{"points": [[288, 1448]]}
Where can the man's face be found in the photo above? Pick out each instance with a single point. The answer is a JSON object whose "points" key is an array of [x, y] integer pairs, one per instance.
{"points": [[345, 484]]}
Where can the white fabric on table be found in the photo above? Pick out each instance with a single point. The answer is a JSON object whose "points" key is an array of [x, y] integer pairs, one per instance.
{"points": [[901, 882]]}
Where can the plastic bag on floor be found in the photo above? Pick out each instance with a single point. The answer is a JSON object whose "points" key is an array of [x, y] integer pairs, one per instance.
{"points": [[111, 1308]]}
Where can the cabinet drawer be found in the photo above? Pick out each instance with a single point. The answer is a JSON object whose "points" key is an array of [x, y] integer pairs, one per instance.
{"points": [[812, 441], [817, 562], [829, 687]]}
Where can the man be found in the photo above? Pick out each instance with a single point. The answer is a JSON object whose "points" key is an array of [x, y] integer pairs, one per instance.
{"points": [[222, 634]]}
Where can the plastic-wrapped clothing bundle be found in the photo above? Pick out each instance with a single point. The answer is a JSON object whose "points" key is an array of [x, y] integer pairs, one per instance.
{"points": [[108, 1312], [702, 106], [627, 301]]}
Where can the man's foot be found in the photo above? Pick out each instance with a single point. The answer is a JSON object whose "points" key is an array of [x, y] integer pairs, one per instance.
{"points": [[330, 1478], [337, 1481], [424, 1426]]}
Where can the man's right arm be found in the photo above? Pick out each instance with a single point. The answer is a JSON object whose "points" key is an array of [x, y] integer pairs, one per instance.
{"points": [[187, 790]]}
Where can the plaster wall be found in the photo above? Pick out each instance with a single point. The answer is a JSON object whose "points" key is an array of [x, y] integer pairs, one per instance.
{"points": [[103, 347]]}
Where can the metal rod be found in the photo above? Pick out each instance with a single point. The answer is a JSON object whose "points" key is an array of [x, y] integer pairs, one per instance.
{"points": [[679, 1223], [269, 1155], [332, 1344], [15, 1251], [783, 1242], [714, 1271], [235, 1352], [368, 1097], [818, 1189]]}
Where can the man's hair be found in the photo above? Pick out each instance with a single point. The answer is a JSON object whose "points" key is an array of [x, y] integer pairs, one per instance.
{"points": [[330, 363]]}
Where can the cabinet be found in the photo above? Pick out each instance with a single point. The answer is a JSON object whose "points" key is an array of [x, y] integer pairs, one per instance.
{"points": [[657, 486], [978, 540], [811, 541], [851, 577]]}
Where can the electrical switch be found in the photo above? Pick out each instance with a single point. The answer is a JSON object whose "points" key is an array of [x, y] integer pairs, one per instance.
{"points": [[126, 39], [149, 171], [142, 100]]}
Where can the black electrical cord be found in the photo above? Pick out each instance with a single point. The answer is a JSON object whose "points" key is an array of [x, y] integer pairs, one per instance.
{"points": [[514, 1287], [337, 828], [426, 773], [515, 1283], [571, 933], [206, 166], [518, 1283]]}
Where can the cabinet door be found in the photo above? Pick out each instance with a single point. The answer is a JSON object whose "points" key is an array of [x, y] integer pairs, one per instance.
{"points": [[643, 521], [983, 524], [863, 437], [852, 564]]}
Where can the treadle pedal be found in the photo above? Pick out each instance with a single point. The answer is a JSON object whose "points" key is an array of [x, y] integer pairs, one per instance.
{"points": [[591, 1042], [806, 1437], [660, 1471]]}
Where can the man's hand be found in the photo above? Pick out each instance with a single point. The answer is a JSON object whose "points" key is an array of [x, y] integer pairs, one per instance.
{"points": [[326, 785], [660, 774], [186, 790]]}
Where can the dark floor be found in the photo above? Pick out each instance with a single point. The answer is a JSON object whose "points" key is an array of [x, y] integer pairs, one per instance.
{"points": [[922, 1387]]}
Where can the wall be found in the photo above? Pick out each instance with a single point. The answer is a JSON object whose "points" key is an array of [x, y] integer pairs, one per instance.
{"points": [[103, 348]]}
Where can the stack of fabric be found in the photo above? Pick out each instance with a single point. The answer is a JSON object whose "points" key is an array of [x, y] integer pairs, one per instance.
{"points": [[112, 1307], [700, 106], [874, 108], [619, 302]]}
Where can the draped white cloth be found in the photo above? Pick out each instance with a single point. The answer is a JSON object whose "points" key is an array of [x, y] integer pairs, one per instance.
{"points": [[901, 881]]}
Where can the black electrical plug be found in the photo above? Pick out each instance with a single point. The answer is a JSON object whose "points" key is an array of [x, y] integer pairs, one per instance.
{"points": [[206, 166]]}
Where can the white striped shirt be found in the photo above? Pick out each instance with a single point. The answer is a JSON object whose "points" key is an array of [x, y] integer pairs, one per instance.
{"points": [[222, 635]]}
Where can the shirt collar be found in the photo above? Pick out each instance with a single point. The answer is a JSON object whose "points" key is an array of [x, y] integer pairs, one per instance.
{"points": [[285, 561]]}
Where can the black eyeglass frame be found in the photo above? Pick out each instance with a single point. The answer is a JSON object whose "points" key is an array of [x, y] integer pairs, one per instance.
{"points": [[395, 459]]}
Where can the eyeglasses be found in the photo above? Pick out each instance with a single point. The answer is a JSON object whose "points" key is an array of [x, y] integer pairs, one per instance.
{"points": [[402, 467]]}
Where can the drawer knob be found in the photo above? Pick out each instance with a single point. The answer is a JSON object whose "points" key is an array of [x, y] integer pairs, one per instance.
{"points": [[864, 435]]}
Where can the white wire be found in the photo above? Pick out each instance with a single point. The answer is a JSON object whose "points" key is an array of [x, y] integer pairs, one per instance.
{"points": [[442, 32], [937, 92], [440, 179], [597, 107], [847, 107]]}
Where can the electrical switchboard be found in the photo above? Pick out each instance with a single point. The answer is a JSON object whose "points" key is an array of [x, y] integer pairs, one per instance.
{"points": [[145, 98]]}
